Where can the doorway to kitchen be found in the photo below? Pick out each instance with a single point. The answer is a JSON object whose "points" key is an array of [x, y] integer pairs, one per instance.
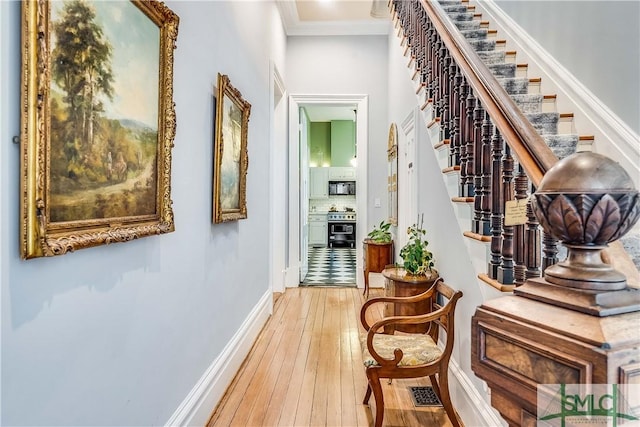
{"points": [[314, 256]]}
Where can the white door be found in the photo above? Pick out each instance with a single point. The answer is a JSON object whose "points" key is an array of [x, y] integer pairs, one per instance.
{"points": [[407, 178], [304, 196]]}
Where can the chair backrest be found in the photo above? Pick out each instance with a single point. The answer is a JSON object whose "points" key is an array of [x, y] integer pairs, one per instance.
{"points": [[444, 300]]}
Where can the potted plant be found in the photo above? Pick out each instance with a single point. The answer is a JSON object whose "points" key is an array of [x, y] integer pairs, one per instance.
{"points": [[417, 259], [380, 233]]}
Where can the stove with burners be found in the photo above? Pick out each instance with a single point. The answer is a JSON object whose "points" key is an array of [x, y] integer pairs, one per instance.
{"points": [[341, 217], [342, 229]]}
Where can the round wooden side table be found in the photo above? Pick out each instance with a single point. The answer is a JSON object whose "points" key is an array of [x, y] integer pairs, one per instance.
{"points": [[399, 284]]}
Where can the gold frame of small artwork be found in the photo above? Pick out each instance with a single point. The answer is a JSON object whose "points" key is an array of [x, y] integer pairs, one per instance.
{"points": [[231, 159], [392, 178]]}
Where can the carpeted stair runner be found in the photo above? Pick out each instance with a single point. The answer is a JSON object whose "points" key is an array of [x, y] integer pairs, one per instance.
{"points": [[517, 86], [546, 124]]}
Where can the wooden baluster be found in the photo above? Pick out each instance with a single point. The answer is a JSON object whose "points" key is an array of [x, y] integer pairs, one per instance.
{"points": [[549, 251], [444, 91], [459, 151], [408, 27], [422, 56], [446, 95], [497, 206], [426, 49], [468, 141], [436, 77], [453, 98], [519, 241], [478, 115], [485, 173], [454, 140], [433, 35], [532, 254], [505, 271]]}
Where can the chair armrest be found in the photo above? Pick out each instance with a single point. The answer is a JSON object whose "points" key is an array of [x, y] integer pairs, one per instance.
{"points": [[402, 300], [406, 320]]}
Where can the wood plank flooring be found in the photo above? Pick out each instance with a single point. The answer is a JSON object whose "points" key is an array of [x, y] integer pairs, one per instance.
{"points": [[305, 369]]}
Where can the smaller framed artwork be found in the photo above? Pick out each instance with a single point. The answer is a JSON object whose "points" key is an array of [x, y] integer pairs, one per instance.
{"points": [[392, 179], [230, 153]]}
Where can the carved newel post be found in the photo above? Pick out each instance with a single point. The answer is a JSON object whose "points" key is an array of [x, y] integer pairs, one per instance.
{"points": [[579, 324]]}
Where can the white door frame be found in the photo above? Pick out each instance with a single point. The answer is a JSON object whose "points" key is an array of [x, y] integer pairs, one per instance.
{"points": [[362, 140], [278, 159]]}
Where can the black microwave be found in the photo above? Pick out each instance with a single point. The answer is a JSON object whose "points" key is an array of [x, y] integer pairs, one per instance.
{"points": [[342, 188]]}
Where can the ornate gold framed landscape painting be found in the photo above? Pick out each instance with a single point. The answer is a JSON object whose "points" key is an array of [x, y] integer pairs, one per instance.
{"points": [[97, 123], [230, 153], [392, 176]]}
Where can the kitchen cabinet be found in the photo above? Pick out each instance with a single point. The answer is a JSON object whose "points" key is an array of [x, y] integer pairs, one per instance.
{"points": [[342, 174], [318, 183], [318, 230]]}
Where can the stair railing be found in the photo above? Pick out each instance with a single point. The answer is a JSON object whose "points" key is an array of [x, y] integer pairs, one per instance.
{"points": [[499, 154]]}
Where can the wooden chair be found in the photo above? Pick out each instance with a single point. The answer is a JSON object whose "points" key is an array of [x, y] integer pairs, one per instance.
{"points": [[411, 355]]}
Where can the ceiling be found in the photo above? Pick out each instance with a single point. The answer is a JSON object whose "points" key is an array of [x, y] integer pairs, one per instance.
{"points": [[334, 17]]}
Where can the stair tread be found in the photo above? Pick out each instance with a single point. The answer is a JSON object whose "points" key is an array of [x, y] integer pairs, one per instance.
{"points": [[529, 102], [475, 34], [503, 69]]}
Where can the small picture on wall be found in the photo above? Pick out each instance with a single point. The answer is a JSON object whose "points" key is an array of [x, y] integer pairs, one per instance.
{"points": [[392, 178], [230, 153]]}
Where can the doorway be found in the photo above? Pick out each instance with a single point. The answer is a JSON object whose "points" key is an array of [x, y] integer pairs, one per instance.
{"points": [[298, 226]]}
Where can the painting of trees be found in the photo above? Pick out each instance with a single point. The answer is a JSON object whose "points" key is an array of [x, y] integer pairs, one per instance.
{"points": [[97, 123], [101, 166], [81, 67]]}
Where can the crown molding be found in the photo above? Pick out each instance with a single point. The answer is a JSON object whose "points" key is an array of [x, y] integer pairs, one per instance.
{"points": [[294, 27]]}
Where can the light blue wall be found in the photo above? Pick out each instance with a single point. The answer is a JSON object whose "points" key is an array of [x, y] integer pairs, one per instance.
{"points": [[597, 41], [119, 334]]}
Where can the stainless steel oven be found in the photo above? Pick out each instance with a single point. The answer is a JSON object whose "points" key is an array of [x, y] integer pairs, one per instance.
{"points": [[342, 229]]}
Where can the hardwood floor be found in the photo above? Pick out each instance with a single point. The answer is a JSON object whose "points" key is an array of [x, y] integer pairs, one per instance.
{"points": [[305, 369]]}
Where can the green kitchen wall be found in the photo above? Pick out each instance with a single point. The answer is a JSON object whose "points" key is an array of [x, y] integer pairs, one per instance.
{"points": [[320, 144], [331, 143], [342, 142]]}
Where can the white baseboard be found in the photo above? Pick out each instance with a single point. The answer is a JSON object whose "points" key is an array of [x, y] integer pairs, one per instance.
{"points": [[196, 408], [475, 410]]}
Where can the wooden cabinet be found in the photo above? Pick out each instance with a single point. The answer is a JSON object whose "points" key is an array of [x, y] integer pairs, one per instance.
{"points": [[519, 342], [398, 284], [376, 257], [318, 183], [318, 230]]}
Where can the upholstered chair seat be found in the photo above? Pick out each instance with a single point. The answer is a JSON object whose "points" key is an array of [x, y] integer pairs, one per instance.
{"points": [[416, 349]]}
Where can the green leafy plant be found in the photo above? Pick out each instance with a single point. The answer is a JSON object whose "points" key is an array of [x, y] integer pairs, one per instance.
{"points": [[417, 258], [381, 233]]}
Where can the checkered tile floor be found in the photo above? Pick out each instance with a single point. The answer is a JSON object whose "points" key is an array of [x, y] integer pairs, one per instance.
{"points": [[331, 266]]}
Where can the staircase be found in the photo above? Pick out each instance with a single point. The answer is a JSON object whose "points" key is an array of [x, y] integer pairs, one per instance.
{"points": [[466, 127]]}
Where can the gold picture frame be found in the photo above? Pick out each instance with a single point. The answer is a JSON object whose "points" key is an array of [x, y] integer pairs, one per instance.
{"points": [[231, 159], [392, 176], [97, 123]]}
